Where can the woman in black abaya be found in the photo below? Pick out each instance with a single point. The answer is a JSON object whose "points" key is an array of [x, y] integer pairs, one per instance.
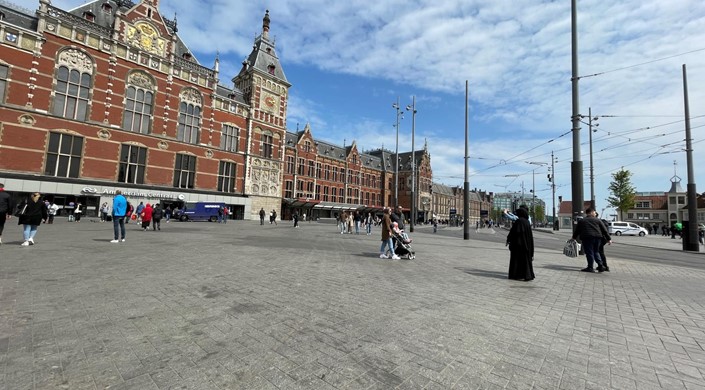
{"points": [[521, 248]]}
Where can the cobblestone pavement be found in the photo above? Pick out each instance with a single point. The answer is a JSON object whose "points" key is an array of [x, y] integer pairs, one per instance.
{"points": [[244, 306]]}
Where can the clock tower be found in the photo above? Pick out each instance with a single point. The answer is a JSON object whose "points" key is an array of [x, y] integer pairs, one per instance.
{"points": [[266, 89]]}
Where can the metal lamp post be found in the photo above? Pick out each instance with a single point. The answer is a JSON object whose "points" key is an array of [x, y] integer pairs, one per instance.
{"points": [[533, 188], [592, 172], [412, 108], [396, 155]]}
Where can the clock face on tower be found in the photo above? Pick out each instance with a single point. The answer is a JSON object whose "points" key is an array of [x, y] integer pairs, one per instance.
{"points": [[269, 102]]}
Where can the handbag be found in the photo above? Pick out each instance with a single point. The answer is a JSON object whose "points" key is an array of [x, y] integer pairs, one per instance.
{"points": [[571, 248], [20, 212]]}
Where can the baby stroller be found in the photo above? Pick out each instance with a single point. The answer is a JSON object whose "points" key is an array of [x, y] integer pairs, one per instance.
{"points": [[402, 245]]}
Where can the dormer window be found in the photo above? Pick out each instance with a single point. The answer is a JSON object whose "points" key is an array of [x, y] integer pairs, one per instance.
{"points": [[271, 68], [2, 16], [149, 13], [89, 16], [186, 56], [107, 8]]}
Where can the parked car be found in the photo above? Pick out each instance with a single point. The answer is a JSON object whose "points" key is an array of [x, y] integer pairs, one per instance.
{"points": [[619, 228]]}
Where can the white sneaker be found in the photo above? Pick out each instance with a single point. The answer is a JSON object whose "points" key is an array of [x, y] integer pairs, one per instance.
{"points": [[114, 240], [395, 257], [26, 243], [383, 256], [123, 240], [31, 241], [0, 240]]}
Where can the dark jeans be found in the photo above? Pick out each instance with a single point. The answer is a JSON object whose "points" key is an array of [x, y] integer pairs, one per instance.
{"points": [[119, 227], [603, 242], [156, 224], [591, 247]]}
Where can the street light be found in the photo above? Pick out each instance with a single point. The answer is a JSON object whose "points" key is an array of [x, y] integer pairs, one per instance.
{"points": [[592, 173], [552, 179], [396, 154], [533, 187], [412, 108]]}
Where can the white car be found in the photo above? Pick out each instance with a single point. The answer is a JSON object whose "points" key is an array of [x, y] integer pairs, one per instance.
{"points": [[619, 228]]}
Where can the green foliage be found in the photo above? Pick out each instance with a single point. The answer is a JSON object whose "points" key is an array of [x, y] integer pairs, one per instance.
{"points": [[623, 193]]}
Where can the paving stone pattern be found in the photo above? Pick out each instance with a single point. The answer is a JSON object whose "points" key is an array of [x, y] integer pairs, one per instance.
{"points": [[244, 306]]}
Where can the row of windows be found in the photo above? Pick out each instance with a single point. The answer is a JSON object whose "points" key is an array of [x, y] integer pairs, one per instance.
{"points": [[331, 173], [72, 94], [326, 193], [64, 160]]}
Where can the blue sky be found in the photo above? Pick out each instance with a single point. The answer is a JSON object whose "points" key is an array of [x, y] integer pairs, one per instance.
{"points": [[349, 61]]}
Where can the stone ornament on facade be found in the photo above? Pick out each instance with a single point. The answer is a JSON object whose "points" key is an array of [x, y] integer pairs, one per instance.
{"points": [[190, 95], [26, 119], [76, 59], [163, 145], [104, 134], [145, 37], [140, 79], [209, 153]]}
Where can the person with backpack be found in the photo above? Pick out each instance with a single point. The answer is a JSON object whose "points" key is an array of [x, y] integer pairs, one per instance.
{"points": [[157, 214]]}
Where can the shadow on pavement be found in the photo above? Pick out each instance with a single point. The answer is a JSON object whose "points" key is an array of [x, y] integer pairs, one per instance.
{"points": [[483, 273], [561, 267]]}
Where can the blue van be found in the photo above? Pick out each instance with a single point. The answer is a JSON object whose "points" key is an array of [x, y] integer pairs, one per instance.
{"points": [[198, 211]]}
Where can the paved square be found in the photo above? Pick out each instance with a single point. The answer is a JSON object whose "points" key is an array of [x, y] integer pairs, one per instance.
{"points": [[244, 306]]}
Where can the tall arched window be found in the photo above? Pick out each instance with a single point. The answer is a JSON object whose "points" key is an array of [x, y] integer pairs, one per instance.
{"points": [[189, 116], [139, 103], [73, 84]]}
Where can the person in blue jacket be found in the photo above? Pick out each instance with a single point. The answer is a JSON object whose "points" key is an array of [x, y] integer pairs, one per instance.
{"points": [[119, 212]]}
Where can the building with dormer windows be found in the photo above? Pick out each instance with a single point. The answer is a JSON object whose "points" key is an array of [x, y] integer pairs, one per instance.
{"points": [[108, 96]]}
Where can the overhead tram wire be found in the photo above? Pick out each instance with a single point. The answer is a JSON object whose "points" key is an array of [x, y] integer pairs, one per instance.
{"points": [[643, 63]]}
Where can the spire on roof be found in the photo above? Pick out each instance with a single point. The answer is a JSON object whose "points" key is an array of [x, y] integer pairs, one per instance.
{"points": [[265, 25]]}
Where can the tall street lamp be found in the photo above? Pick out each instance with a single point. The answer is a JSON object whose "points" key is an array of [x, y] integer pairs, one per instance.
{"points": [[552, 179], [396, 155], [533, 188], [412, 108], [592, 172]]}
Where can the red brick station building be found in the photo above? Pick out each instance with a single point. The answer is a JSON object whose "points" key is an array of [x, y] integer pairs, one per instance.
{"points": [[108, 97]]}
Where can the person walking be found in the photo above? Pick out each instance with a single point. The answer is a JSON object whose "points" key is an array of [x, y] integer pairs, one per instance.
{"points": [[368, 223], [6, 208], [357, 219], [591, 230], [226, 214], [139, 209], [398, 217], [295, 217], [603, 242], [167, 213], [220, 214], [261, 216], [521, 248], [387, 237], [274, 216], [33, 211], [119, 215], [146, 216], [157, 214], [104, 210], [52, 209], [77, 212]]}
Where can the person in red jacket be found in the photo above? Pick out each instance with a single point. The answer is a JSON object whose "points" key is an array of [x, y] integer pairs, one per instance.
{"points": [[146, 215]]}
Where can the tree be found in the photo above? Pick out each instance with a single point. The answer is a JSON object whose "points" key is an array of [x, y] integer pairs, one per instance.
{"points": [[623, 192]]}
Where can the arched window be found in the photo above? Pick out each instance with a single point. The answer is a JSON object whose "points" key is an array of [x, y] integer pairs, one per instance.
{"points": [[73, 85], [139, 103], [189, 116]]}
